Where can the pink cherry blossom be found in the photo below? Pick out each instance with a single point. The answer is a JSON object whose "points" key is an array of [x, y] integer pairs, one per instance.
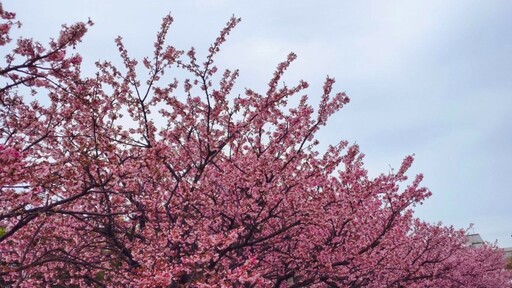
{"points": [[127, 180]]}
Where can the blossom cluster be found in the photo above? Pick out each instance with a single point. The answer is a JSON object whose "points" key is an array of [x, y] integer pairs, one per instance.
{"points": [[128, 181]]}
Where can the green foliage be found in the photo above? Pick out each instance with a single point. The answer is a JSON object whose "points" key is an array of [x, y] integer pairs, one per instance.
{"points": [[100, 276]]}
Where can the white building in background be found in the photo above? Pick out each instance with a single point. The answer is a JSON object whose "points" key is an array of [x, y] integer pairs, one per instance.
{"points": [[475, 240], [508, 252]]}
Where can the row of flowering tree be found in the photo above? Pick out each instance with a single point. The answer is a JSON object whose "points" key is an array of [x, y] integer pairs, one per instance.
{"points": [[118, 180]]}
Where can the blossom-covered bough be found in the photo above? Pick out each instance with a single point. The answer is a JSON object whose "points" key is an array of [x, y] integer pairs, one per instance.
{"points": [[118, 180]]}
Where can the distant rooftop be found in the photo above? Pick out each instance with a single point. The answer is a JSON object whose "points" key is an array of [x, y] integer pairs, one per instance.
{"points": [[508, 251], [475, 240]]}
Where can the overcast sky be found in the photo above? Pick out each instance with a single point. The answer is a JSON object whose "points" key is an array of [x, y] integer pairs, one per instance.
{"points": [[433, 78]]}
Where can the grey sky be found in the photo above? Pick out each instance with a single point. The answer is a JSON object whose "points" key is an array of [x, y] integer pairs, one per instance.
{"points": [[431, 78]]}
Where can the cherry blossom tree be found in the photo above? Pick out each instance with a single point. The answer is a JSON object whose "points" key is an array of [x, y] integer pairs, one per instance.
{"points": [[149, 181]]}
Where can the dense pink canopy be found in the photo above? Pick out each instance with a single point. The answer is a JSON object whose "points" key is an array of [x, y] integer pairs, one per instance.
{"points": [[132, 178]]}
